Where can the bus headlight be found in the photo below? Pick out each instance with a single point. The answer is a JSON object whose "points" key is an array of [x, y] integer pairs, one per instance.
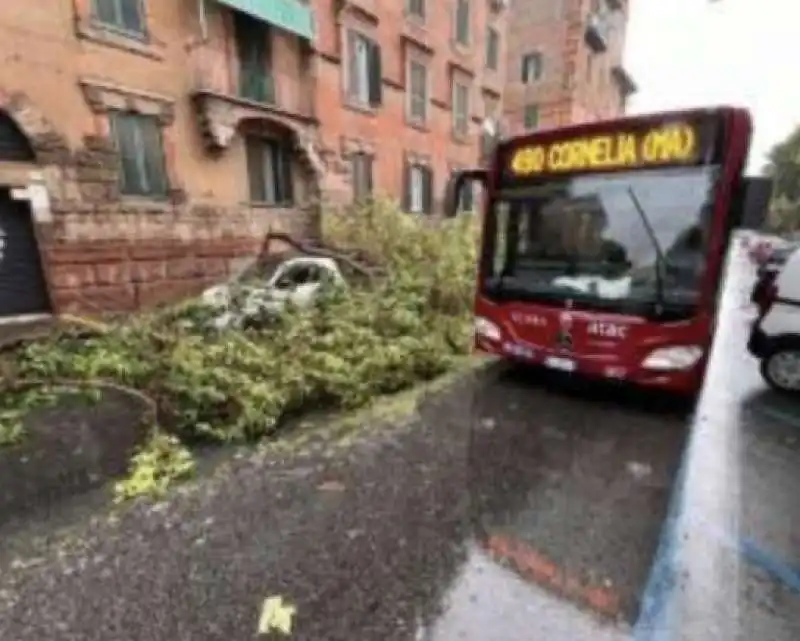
{"points": [[678, 357], [484, 328]]}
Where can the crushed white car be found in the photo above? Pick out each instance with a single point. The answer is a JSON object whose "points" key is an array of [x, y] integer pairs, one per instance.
{"points": [[297, 281]]}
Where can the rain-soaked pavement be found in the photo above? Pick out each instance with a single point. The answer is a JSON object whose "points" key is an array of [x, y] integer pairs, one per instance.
{"points": [[508, 509]]}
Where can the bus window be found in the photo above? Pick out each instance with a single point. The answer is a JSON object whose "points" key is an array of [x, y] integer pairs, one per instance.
{"points": [[501, 240], [624, 242]]}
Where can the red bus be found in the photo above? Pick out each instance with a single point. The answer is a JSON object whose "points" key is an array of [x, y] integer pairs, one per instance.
{"points": [[604, 244]]}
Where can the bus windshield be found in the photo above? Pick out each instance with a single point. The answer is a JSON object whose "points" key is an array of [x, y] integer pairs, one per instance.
{"points": [[628, 242]]}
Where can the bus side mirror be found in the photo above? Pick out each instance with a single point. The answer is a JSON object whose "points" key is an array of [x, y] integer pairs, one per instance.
{"points": [[756, 196], [456, 183]]}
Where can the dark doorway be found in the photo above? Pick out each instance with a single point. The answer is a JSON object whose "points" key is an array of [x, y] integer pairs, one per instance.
{"points": [[22, 283], [14, 145]]}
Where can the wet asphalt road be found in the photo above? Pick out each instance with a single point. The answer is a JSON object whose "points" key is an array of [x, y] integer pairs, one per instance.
{"points": [[508, 508]]}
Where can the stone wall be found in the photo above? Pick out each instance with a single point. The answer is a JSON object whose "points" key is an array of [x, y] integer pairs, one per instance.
{"points": [[107, 254], [103, 253]]}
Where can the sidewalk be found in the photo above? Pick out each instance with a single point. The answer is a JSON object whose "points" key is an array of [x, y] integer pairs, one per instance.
{"points": [[729, 565]]}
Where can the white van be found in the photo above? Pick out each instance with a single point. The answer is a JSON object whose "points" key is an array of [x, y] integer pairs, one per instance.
{"points": [[775, 336]]}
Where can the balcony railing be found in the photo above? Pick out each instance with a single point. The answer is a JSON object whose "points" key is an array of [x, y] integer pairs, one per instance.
{"points": [[596, 34], [215, 72]]}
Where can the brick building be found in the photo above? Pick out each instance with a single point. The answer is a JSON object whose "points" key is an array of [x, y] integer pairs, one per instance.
{"points": [[146, 146], [565, 63]]}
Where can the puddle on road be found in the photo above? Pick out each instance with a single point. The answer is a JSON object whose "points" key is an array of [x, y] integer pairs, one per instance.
{"points": [[569, 489], [489, 602]]}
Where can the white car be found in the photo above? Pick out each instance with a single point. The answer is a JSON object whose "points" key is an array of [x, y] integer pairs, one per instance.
{"points": [[296, 280], [775, 335]]}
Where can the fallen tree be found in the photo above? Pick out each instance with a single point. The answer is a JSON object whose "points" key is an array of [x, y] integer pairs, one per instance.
{"points": [[407, 321]]}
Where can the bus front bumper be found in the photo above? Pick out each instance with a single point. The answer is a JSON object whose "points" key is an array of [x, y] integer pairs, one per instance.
{"points": [[687, 381]]}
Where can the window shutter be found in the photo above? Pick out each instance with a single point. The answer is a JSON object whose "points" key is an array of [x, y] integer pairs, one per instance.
{"points": [[255, 170], [368, 163], [467, 190], [492, 45], [132, 15], [154, 161], [104, 11], [375, 76], [285, 183], [462, 21], [131, 182], [358, 166], [352, 65], [406, 204], [250, 41], [427, 190]]}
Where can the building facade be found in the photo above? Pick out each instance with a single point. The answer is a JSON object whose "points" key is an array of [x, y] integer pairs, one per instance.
{"points": [[565, 63], [441, 66], [147, 146]]}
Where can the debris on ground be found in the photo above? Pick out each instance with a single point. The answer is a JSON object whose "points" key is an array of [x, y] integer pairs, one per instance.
{"points": [[390, 307]]}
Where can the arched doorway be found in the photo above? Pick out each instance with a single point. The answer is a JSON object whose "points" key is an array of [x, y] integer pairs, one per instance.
{"points": [[23, 288]]}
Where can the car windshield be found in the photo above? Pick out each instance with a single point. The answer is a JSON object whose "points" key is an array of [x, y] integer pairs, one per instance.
{"points": [[623, 241]]}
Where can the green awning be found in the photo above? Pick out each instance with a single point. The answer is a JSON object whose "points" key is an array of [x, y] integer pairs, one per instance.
{"points": [[290, 15]]}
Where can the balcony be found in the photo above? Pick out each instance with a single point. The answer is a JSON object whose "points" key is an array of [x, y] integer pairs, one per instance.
{"points": [[226, 93], [292, 16], [596, 34], [626, 83], [216, 73]]}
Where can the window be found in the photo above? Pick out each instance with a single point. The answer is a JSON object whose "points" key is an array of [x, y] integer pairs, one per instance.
{"points": [[492, 48], [531, 67], [462, 22], [121, 15], [361, 168], [460, 109], [269, 171], [299, 273], [416, 8], [531, 117], [363, 70], [418, 189], [491, 106], [253, 48], [417, 92], [579, 222], [466, 198], [141, 152]]}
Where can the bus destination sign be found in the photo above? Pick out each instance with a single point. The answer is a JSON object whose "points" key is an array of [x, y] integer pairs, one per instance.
{"points": [[666, 144]]}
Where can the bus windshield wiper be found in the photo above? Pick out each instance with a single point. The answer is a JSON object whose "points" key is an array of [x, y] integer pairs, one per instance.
{"points": [[660, 260]]}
